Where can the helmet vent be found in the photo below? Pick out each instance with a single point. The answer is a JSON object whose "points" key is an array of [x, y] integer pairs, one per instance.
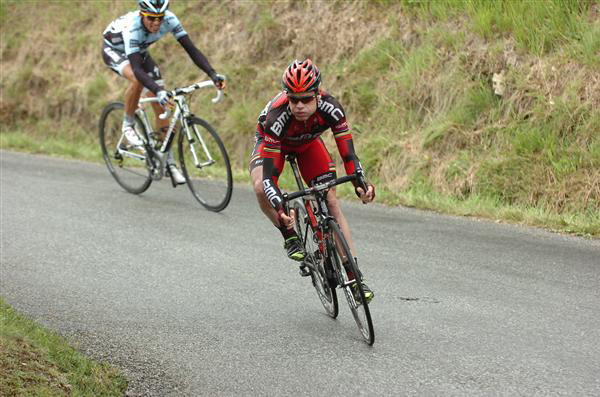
{"points": [[301, 76]]}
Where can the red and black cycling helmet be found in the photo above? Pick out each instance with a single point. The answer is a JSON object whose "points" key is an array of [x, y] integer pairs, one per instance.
{"points": [[301, 76]]}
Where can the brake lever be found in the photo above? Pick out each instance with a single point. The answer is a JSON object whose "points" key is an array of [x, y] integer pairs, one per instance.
{"points": [[362, 182]]}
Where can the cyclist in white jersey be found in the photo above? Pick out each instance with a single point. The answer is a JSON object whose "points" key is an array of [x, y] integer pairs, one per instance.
{"points": [[125, 51]]}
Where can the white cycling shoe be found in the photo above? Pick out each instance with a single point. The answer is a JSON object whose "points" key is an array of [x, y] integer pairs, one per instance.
{"points": [[176, 175], [132, 136]]}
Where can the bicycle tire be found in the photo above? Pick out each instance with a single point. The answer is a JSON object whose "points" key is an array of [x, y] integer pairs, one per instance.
{"points": [[327, 295], [126, 164], [360, 309], [211, 183]]}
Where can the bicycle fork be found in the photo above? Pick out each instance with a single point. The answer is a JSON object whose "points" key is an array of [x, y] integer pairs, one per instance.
{"points": [[194, 137]]}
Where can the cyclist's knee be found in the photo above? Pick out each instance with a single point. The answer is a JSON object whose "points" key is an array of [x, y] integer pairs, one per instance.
{"points": [[336, 212], [259, 191], [129, 75], [333, 204], [256, 176], [137, 86]]}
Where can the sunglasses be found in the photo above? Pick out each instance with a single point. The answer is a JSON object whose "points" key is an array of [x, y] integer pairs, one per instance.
{"points": [[153, 17], [304, 99]]}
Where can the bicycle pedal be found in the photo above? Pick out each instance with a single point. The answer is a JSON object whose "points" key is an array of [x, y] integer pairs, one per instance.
{"points": [[304, 272]]}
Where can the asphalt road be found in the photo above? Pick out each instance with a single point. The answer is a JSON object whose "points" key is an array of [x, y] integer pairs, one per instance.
{"points": [[189, 302]]}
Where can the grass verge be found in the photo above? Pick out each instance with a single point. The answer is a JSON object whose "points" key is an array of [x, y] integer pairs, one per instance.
{"points": [[37, 362], [419, 195], [57, 146]]}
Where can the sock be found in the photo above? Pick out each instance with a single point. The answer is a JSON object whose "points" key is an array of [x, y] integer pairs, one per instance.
{"points": [[129, 120], [287, 233], [170, 158]]}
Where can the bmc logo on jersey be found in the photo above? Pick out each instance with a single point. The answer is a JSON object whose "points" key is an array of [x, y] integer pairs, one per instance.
{"points": [[327, 107], [277, 126]]}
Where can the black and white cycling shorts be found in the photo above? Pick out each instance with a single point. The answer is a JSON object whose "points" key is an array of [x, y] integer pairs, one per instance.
{"points": [[117, 61]]}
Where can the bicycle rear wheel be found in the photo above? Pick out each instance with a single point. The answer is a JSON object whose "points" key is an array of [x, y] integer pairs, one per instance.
{"points": [[126, 164], [355, 295], [205, 165], [315, 260]]}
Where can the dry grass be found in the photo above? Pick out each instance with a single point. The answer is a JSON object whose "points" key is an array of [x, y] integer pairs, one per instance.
{"points": [[415, 79]]}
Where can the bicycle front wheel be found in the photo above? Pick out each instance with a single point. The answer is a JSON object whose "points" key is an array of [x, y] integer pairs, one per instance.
{"points": [[315, 259], [205, 165], [127, 164], [350, 281]]}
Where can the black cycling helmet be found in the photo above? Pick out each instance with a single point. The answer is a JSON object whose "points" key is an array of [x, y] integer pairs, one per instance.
{"points": [[301, 76], [153, 6]]}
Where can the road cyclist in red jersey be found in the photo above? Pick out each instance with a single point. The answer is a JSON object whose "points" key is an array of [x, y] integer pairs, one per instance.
{"points": [[292, 122]]}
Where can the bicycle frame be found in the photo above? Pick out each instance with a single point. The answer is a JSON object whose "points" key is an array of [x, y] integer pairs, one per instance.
{"points": [[306, 200], [182, 114], [335, 264], [318, 195]]}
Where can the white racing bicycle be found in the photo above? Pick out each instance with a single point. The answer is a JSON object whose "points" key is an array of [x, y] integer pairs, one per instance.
{"points": [[202, 156]]}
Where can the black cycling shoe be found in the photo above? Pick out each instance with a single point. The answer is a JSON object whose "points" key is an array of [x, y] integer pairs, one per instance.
{"points": [[294, 249], [369, 295]]}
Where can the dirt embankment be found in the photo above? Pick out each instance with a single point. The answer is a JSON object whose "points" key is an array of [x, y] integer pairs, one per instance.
{"points": [[460, 101]]}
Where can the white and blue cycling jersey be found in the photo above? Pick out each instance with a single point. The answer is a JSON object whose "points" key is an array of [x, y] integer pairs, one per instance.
{"points": [[126, 42], [127, 34]]}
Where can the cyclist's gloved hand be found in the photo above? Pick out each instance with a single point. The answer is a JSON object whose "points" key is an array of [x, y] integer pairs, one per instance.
{"points": [[368, 196], [364, 190], [285, 219], [219, 80], [163, 97]]}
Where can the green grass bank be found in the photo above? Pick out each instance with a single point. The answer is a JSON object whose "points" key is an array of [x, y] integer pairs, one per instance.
{"points": [[37, 362], [478, 108]]}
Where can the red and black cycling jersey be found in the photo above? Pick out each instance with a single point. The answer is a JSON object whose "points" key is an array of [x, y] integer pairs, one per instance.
{"points": [[278, 132]]}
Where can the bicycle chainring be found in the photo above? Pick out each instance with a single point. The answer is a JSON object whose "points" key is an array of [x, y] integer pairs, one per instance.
{"points": [[156, 165]]}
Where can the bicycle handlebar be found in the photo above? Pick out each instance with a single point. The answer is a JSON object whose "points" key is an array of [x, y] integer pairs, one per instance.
{"points": [[318, 188], [196, 86], [187, 90]]}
